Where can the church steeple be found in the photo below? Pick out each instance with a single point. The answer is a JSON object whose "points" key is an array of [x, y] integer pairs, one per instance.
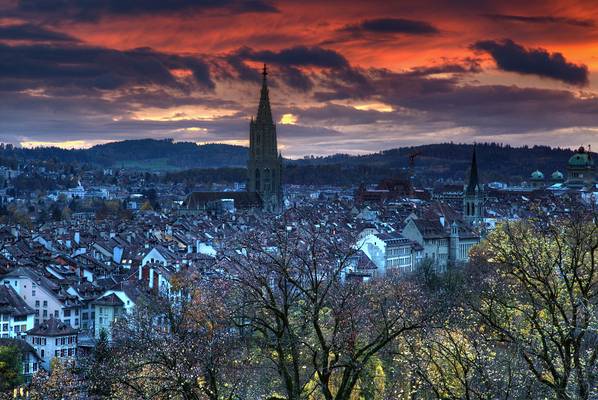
{"points": [[473, 196], [473, 174], [264, 112], [264, 167]]}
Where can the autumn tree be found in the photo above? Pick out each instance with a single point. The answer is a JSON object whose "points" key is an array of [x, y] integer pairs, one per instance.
{"points": [[316, 325], [63, 383], [179, 345], [537, 295]]}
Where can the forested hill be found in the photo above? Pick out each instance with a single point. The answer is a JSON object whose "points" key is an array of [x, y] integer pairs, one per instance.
{"points": [[450, 160], [150, 153], [445, 160]]}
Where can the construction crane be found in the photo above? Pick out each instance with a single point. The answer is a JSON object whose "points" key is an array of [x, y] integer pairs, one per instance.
{"points": [[412, 156]]}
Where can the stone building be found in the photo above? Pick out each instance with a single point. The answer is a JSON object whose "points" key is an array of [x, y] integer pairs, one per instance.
{"points": [[581, 170], [264, 167], [53, 339]]}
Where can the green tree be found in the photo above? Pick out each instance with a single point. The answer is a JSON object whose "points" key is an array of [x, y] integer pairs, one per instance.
{"points": [[10, 367], [99, 368]]}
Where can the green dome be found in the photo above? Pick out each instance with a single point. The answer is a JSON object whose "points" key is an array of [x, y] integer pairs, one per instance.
{"points": [[537, 175], [581, 159], [557, 175]]}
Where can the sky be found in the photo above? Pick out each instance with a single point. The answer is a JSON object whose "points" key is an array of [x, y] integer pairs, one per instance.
{"points": [[345, 76]]}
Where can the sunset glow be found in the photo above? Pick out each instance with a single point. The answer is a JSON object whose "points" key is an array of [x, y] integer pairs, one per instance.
{"points": [[406, 70]]}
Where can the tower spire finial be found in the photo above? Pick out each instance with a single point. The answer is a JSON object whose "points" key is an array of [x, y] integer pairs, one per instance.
{"points": [[264, 114]]}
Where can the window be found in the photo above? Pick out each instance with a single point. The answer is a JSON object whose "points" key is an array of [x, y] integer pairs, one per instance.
{"points": [[56, 342], [62, 353], [45, 303], [76, 311], [57, 353], [42, 353], [45, 313], [84, 315], [37, 303], [67, 313], [33, 292], [55, 313], [76, 321]]}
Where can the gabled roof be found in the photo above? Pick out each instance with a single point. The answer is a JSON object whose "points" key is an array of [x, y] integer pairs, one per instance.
{"points": [[24, 272], [22, 345], [111, 300], [52, 327], [12, 304]]}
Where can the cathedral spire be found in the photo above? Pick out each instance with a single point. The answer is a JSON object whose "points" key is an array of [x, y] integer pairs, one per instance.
{"points": [[473, 173], [264, 113]]}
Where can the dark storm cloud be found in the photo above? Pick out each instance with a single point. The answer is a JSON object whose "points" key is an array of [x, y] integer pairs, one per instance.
{"points": [[93, 10], [544, 19], [467, 67], [298, 56], [288, 62], [391, 26], [512, 57], [449, 103], [32, 32], [94, 68], [296, 79]]}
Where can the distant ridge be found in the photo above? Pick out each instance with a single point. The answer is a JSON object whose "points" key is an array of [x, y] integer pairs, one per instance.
{"points": [[443, 160]]}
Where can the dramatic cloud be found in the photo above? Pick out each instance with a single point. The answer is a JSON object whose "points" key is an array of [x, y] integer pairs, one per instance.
{"points": [[512, 57], [344, 75], [92, 10], [298, 56], [288, 62], [393, 25], [43, 66], [586, 23], [32, 33]]}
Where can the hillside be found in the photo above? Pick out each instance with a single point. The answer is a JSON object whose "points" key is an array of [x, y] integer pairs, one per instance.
{"points": [[147, 154], [449, 160], [445, 160]]}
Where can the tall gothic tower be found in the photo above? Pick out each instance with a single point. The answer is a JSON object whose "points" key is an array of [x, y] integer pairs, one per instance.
{"points": [[473, 195], [264, 167]]}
